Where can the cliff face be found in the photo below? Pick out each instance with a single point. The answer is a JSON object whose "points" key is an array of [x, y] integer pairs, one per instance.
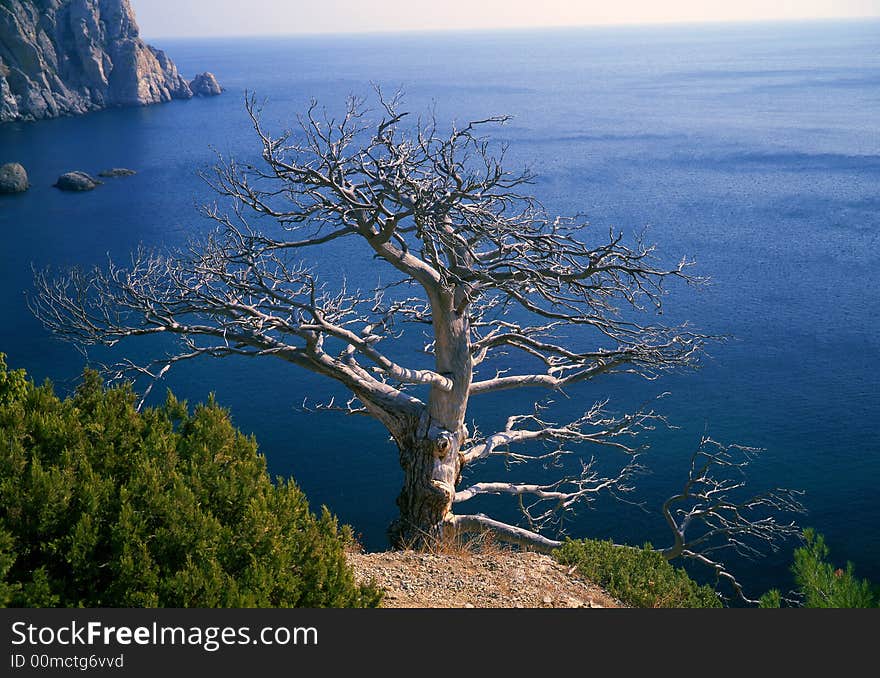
{"points": [[62, 57]]}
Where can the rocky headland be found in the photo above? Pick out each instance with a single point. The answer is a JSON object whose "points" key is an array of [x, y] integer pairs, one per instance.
{"points": [[66, 57]]}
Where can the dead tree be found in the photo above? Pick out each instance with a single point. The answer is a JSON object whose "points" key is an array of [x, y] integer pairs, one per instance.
{"points": [[476, 262]]}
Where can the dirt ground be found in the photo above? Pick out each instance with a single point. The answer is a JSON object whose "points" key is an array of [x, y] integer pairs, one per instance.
{"points": [[496, 578]]}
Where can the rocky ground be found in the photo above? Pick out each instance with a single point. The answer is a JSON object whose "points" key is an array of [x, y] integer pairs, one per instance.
{"points": [[490, 578]]}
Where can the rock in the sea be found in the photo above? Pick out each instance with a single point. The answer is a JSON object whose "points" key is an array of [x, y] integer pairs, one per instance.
{"points": [[63, 57], [117, 172], [205, 85], [13, 178], [77, 181]]}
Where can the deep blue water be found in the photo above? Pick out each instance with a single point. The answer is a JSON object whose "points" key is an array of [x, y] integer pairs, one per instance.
{"points": [[754, 149]]}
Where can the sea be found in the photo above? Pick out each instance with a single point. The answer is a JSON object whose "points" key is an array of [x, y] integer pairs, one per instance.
{"points": [[753, 149]]}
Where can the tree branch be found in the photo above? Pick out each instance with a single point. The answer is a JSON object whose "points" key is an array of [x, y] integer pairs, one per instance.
{"points": [[596, 426], [709, 516], [504, 532]]}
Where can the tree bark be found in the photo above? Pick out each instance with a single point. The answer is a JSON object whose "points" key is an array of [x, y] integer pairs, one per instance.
{"points": [[430, 452], [431, 467]]}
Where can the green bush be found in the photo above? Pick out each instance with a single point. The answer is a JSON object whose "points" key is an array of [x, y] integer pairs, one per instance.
{"points": [[638, 577], [105, 506], [822, 585], [771, 599]]}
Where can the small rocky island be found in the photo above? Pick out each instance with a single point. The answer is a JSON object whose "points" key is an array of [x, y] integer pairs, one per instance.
{"points": [[205, 85], [13, 178], [116, 172], [66, 57], [77, 182]]}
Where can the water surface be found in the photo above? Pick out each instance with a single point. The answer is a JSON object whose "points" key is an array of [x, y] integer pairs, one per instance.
{"points": [[752, 148]]}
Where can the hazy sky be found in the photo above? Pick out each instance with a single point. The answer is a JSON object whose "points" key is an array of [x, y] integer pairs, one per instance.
{"points": [[167, 18]]}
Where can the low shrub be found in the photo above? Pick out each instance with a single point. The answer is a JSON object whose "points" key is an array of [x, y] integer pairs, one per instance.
{"points": [[820, 584], [639, 577], [105, 506]]}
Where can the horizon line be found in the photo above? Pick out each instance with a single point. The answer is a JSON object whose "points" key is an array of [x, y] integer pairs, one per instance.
{"points": [[512, 29]]}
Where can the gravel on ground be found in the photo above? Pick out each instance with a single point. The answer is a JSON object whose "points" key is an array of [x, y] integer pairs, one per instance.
{"points": [[496, 578]]}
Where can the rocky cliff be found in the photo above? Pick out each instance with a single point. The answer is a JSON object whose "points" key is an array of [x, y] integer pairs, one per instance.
{"points": [[62, 57]]}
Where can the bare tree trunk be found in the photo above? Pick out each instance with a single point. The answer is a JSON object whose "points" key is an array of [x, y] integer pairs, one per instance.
{"points": [[430, 462], [430, 453]]}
